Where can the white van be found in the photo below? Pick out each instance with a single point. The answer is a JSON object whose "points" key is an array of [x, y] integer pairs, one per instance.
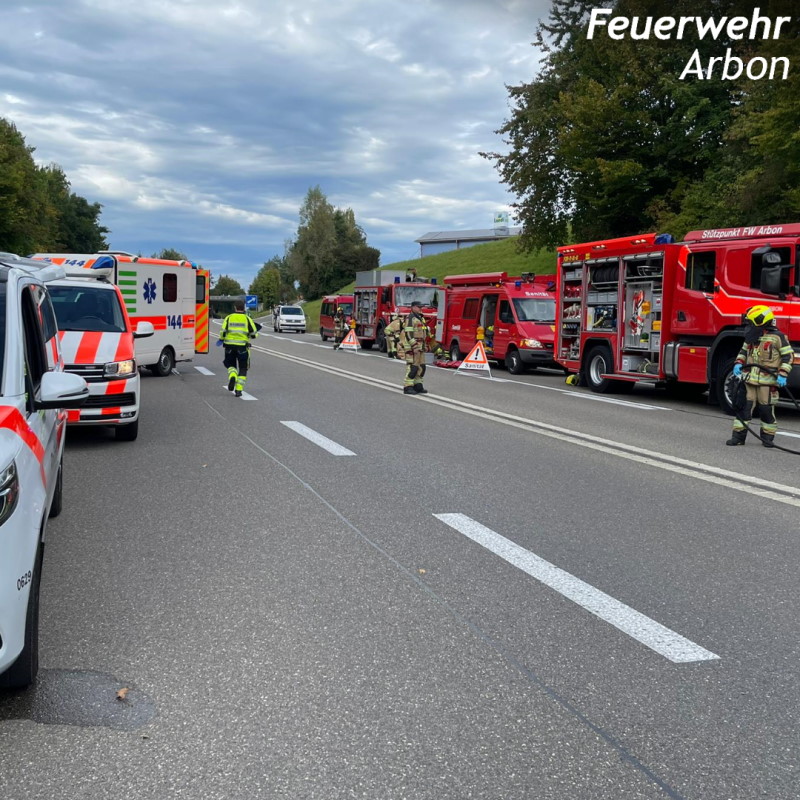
{"points": [[289, 318]]}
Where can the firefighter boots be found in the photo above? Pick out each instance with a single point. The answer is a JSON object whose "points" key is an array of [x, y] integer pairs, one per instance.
{"points": [[768, 439], [238, 393], [737, 438], [419, 389], [408, 390], [231, 383]]}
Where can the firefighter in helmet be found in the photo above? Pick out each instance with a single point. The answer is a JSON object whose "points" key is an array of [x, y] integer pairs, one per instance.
{"points": [[415, 339], [339, 327], [237, 331], [764, 364], [392, 333]]}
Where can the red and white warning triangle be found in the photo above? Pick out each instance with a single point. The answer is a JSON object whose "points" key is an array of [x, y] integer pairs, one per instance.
{"points": [[476, 359], [350, 342]]}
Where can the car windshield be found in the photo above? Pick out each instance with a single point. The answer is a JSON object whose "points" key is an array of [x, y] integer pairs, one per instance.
{"points": [[346, 307], [426, 295], [87, 308], [292, 311], [530, 309]]}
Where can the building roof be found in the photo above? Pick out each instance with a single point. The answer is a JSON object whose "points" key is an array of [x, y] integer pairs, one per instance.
{"points": [[468, 235]]}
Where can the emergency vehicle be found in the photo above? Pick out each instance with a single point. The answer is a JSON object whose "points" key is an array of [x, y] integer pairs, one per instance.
{"points": [[328, 309], [171, 295], [97, 343], [35, 392], [378, 293], [517, 317], [649, 308]]}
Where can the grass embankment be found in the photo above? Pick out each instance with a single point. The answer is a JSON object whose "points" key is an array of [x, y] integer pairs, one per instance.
{"points": [[493, 257]]}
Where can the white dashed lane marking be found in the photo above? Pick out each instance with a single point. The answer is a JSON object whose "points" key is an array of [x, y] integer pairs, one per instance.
{"points": [[322, 441]]}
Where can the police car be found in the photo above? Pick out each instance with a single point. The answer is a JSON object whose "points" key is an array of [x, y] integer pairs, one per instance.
{"points": [[34, 393]]}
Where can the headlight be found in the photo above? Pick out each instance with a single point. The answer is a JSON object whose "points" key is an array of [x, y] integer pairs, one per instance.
{"points": [[532, 343], [9, 491], [120, 368]]}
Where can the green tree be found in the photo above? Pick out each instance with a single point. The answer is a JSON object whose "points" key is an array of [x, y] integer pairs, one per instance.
{"points": [[267, 283], [226, 285], [607, 139], [171, 254], [312, 256]]}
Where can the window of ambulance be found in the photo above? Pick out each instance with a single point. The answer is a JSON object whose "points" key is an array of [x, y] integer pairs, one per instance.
{"points": [[86, 308], [531, 309]]}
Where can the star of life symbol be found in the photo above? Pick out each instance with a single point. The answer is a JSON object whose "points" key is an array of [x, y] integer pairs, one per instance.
{"points": [[150, 290]]}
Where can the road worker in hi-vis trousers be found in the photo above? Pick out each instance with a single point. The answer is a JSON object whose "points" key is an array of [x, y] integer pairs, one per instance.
{"points": [[764, 364], [237, 331], [415, 339]]}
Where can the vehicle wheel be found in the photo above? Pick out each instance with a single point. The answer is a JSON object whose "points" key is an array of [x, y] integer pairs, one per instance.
{"points": [[367, 345], [58, 495], [514, 362], [165, 363], [598, 362], [303, 331], [725, 383], [455, 351], [381, 340], [323, 336], [22, 673], [127, 433]]}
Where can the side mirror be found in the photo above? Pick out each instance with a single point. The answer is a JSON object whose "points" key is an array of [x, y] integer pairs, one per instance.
{"points": [[143, 330], [61, 390]]}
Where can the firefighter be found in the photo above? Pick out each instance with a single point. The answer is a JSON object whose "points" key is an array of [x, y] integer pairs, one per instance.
{"points": [[237, 331], [764, 364], [392, 333], [339, 327], [415, 339]]}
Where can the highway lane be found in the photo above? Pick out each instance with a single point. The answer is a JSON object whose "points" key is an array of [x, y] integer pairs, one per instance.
{"points": [[330, 637]]}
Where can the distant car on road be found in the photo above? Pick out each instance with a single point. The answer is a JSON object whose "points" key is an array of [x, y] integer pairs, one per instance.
{"points": [[289, 318]]}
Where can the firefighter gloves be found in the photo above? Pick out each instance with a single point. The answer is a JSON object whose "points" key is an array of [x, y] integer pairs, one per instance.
{"points": [[737, 370]]}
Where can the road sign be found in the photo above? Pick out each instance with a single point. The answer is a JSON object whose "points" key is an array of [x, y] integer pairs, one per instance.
{"points": [[251, 301], [476, 359]]}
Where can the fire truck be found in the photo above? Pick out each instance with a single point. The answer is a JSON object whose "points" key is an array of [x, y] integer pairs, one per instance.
{"points": [[380, 292], [172, 295], [517, 316], [647, 308]]}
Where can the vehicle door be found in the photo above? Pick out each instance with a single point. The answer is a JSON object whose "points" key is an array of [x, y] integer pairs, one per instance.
{"points": [[504, 328], [486, 319]]}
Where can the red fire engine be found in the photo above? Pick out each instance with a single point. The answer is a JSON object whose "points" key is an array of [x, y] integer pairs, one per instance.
{"points": [[517, 316], [648, 308], [380, 292]]}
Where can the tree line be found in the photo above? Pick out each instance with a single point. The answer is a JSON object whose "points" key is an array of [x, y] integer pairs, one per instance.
{"points": [[38, 211], [608, 141]]}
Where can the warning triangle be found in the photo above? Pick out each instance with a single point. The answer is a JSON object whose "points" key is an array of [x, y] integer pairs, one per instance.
{"points": [[476, 359], [350, 342]]}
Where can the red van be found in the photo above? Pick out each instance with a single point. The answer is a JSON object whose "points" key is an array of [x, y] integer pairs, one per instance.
{"points": [[518, 316], [327, 310]]}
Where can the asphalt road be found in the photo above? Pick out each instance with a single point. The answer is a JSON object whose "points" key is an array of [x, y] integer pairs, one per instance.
{"points": [[508, 589]]}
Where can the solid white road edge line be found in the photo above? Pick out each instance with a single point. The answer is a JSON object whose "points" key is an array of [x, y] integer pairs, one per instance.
{"points": [[650, 633], [322, 441], [760, 487]]}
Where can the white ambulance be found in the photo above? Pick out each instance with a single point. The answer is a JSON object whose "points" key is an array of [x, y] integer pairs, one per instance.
{"points": [[34, 391], [171, 295]]}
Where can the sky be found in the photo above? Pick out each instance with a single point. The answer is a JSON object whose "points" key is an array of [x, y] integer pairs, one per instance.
{"points": [[200, 125]]}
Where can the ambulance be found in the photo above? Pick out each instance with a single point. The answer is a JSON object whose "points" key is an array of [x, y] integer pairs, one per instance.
{"points": [[98, 343], [35, 393], [171, 295]]}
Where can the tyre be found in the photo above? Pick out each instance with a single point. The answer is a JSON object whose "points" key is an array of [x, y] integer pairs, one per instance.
{"points": [[599, 362], [165, 363], [58, 495], [367, 345], [127, 433], [22, 673], [455, 351], [381, 340], [725, 384], [323, 336], [514, 362]]}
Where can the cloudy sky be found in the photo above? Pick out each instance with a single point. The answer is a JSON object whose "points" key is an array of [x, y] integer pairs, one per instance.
{"points": [[201, 124]]}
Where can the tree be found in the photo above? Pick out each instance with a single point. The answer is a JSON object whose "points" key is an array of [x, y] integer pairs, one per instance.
{"points": [[267, 283], [227, 286], [608, 139], [171, 254]]}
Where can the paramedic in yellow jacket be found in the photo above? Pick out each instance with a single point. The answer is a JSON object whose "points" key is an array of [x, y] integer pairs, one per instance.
{"points": [[237, 331], [764, 363], [415, 339]]}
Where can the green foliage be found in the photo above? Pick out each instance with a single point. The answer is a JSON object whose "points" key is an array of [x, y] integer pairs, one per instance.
{"points": [[171, 254], [329, 247], [267, 284], [227, 286], [37, 210]]}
